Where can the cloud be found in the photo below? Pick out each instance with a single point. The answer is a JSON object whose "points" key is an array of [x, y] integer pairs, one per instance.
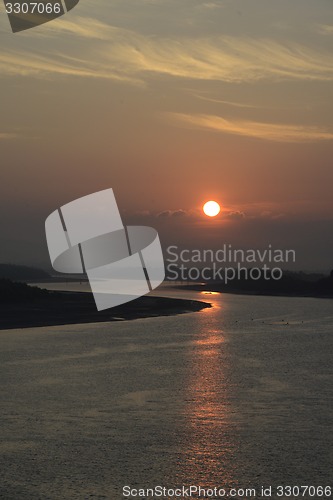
{"points": [[164, 214], [79, 26], [221, 58], [226, 103], [266, 131], [195, 214], [171, 213], [107, 51], [235, 215], [42, 66], [179, 213], [7, 135], [325, 29]]}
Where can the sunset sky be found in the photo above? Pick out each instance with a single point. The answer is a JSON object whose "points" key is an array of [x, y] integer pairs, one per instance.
{"points": [[173, 103]]}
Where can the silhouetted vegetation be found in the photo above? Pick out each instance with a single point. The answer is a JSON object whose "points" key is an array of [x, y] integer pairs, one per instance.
{"points": [[19, 292], [293, 284], [23, 306]]}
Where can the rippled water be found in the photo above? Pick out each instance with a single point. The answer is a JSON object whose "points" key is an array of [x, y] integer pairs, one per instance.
{"points": [[236, 395]]}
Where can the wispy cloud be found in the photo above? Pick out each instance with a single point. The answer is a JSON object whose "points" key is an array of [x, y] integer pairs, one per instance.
{"points": [[79, 26], [226, 103], [7, 135], [172, 213], [43, 66], [326, 29], [107, 51], [222, 58], [266, 131]]}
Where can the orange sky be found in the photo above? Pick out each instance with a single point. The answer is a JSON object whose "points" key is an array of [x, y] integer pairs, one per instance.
{"points": [[172, 103]]}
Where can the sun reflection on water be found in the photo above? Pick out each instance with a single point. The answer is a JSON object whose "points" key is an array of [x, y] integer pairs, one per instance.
{"points": [[207, 458]]}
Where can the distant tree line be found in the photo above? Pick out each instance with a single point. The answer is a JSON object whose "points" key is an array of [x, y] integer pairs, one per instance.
{"points": [[21, 273], [299, 284]]}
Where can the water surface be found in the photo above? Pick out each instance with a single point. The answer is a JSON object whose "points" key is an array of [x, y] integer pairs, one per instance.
{"points": [[236, 395]]}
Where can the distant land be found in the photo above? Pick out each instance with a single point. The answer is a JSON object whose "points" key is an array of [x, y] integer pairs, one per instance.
{"points": [[291, 284], [22, 273]]}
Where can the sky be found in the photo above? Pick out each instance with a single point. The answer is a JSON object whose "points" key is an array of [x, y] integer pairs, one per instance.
{"points": [[173, 103]]}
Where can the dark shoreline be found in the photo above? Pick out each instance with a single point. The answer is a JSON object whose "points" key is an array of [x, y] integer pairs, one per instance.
{"points": [[64, 308]]}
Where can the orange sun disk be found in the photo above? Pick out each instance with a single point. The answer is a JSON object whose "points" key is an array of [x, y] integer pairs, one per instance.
{"points": [[211, 208]]}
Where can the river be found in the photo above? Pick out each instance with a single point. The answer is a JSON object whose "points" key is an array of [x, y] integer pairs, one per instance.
{"points": [[239, 395]]}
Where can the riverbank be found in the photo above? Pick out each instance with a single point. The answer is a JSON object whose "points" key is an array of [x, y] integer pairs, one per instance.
{"points": [[61, 308]]}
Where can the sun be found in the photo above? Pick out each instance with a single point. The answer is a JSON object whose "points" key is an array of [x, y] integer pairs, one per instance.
{"points": [[211, 208]]}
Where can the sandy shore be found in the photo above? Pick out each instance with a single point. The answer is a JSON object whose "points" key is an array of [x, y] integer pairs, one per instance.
{"points": [[63, 308]]}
